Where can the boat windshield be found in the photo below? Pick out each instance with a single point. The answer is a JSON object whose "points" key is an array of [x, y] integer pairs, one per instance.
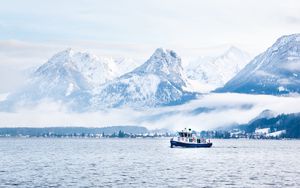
{"points": [[185, 134]]}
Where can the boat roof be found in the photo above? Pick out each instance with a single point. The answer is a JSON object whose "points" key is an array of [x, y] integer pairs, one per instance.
{"points": [[186, 131]]}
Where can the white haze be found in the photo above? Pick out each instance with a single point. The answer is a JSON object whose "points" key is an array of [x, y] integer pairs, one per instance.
{"points": [[223, 110]]}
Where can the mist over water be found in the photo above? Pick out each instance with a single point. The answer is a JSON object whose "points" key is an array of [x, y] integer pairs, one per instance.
{"points": [[147, 163], [207, 112]]}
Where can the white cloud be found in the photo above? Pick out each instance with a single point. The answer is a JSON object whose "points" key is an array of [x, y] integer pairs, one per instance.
{"points": [[225, 109], [188, 24]]}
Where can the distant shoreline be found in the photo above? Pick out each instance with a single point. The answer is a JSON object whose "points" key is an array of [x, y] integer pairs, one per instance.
{"points": [[129, 138]]}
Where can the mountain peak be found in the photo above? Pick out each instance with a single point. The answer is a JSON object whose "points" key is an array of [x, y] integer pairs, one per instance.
{"points": [[65, 53], [275, 71], [68, 50], [286, 39], [162, 61], [159, 81], [210, 72], [233, 49], [70, 55], [165, 52], [75, 66]]}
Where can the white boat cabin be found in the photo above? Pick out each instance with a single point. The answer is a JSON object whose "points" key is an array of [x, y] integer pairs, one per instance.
{"points": [[188, 136]]}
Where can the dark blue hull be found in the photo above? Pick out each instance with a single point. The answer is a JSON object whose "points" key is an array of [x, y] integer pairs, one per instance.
{"points": [[190, 145]]}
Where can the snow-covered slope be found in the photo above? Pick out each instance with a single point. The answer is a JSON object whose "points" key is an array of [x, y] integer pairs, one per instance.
{"points": [[68, 77], [75, 66], [276, 71], [125, 65], [212, 72], [159, 81]]}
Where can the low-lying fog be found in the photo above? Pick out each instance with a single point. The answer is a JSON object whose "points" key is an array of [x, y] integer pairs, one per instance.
{"points": [[208, 112]]}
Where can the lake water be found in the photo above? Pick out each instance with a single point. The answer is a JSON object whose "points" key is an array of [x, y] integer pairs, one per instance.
{"points": [[44, 162]]}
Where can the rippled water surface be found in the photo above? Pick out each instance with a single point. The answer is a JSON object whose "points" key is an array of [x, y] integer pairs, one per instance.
{"points": [[147, 163]]}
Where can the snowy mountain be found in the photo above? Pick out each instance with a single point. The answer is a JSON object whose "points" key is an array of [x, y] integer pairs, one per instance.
{"points": [[77, 68], [159, 81], [125, 65], [68, 77], [85, 82], [275, 71], [213, 72]]}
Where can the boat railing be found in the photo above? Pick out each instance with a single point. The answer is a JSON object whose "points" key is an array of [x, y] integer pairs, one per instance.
{"points": [[191, 139]]}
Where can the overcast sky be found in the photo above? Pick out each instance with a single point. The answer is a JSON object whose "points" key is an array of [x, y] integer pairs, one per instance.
{"points": [[32, 31]]}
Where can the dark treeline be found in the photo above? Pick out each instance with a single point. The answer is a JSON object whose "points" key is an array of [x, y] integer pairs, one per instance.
{"points": [[288, 122], [73, 131]]}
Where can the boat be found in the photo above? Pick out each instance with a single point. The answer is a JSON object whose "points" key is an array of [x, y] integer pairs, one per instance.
{"points": [[188, 139]]}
